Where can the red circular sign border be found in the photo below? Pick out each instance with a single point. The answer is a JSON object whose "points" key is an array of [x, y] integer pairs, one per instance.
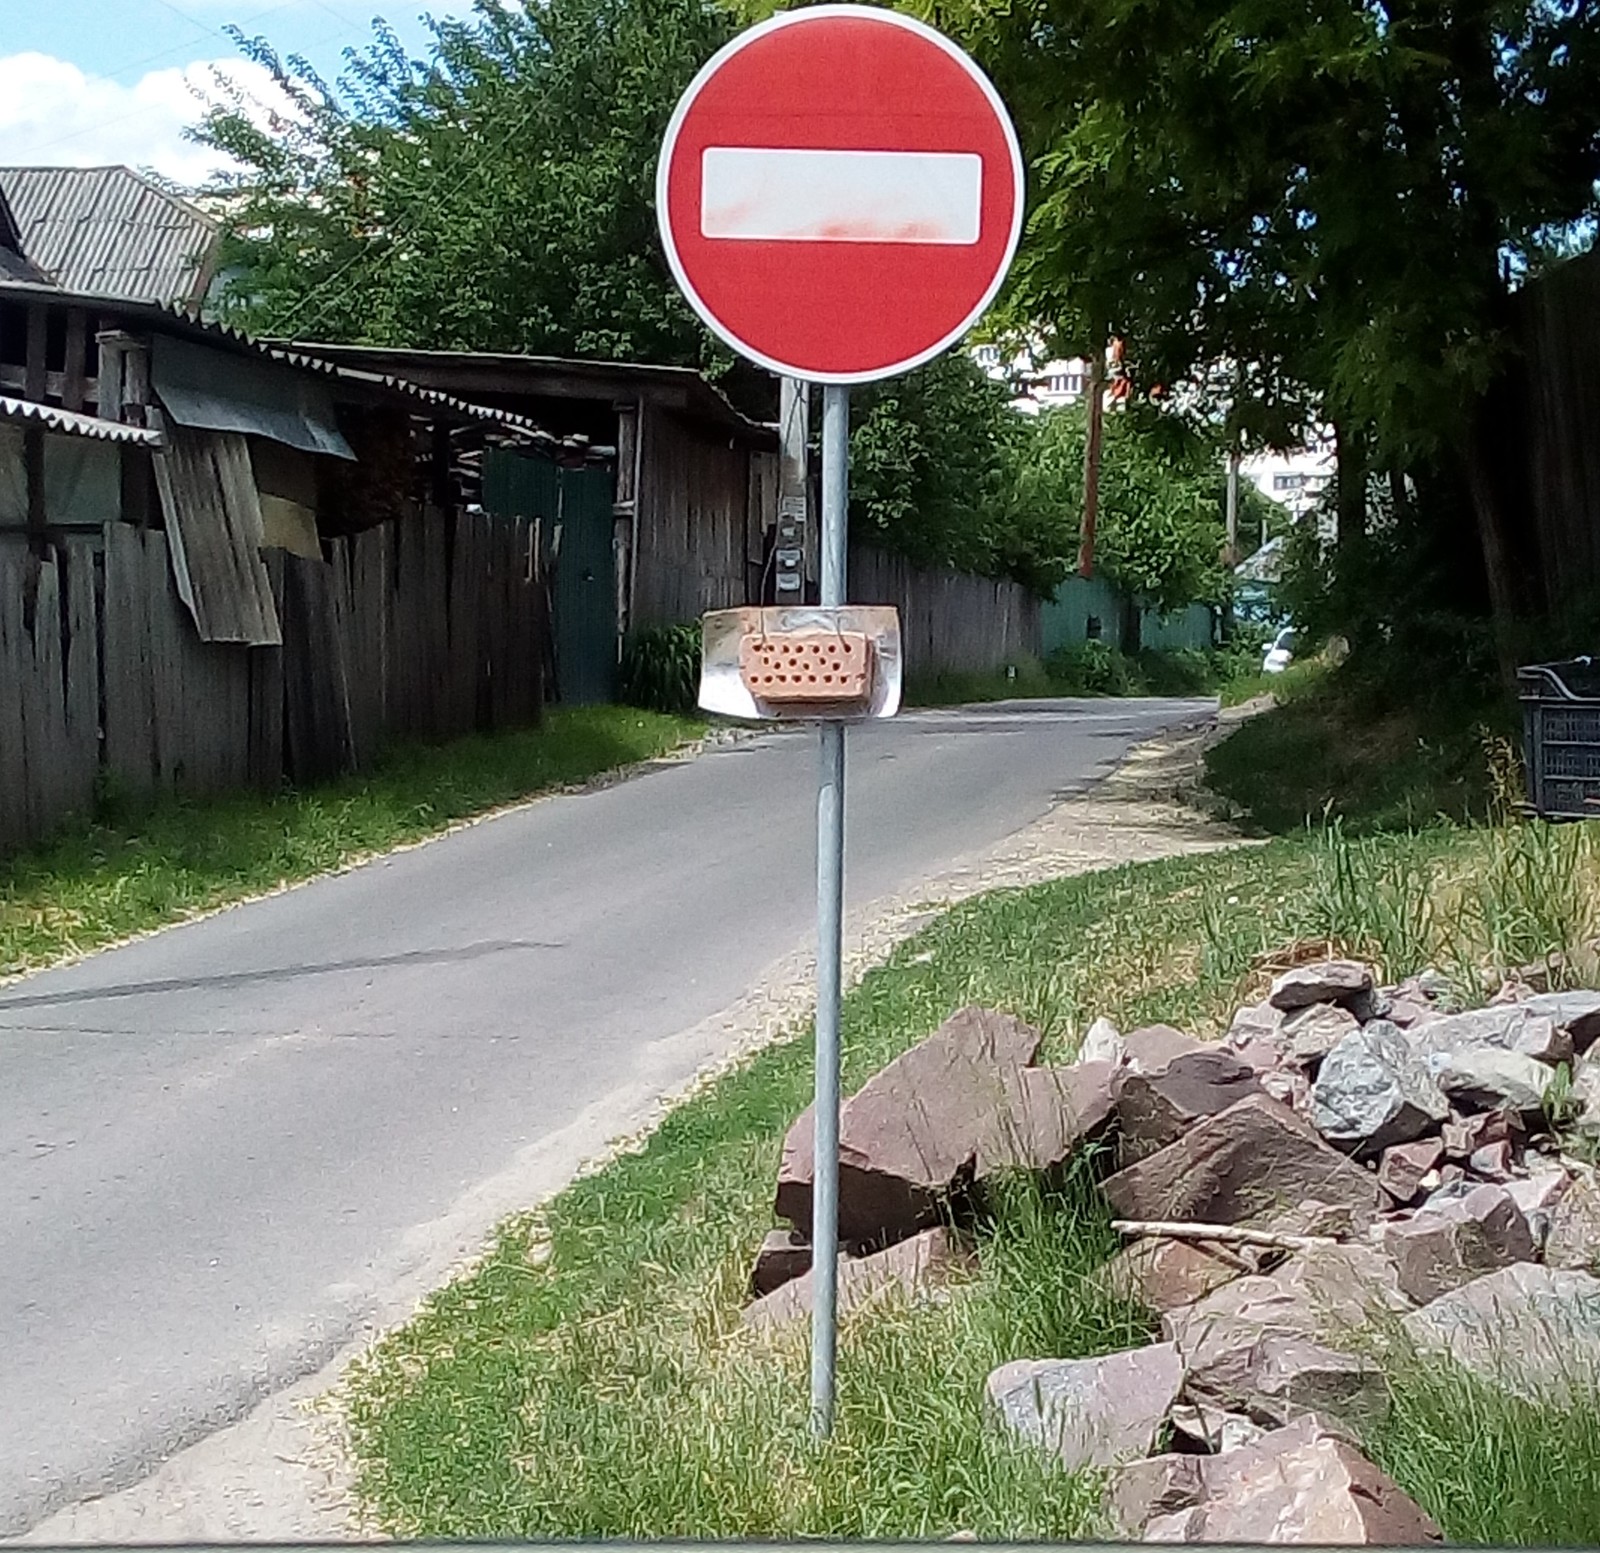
{"points": [[802, 16]]}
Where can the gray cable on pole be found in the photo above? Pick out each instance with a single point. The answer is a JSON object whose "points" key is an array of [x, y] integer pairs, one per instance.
{"points": [[830, 919]]}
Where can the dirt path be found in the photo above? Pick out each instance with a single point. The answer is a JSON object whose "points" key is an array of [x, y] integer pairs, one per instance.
{"points": [[280, 1474]]}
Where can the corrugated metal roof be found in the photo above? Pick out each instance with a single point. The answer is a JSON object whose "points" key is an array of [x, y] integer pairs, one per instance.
{"points": [[111, 231], [177, 321], [54, 419]]}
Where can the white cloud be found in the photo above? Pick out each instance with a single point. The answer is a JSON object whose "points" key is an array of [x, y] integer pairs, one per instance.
{"points": [[52, 114]]}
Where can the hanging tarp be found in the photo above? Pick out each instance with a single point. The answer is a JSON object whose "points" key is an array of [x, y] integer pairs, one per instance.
{"points": [[211, 390], [214, 537]]}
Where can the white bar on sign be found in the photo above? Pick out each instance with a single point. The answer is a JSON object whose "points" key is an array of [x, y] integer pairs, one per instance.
{"points": [[796, 196]]}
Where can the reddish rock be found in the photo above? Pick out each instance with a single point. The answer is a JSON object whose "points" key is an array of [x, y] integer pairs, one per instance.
{"points": [[1532, 1330], [1464, 1136], [1089, 1412], [1540, 1192], [1158, 1107], [1151, 1047], [783, 1255], [1408, 1013], [1331, 981], [1167, 1274], [1295, 1485], [910, 1136], [1441, 1248], [910, 1268], [1047, 1114], [1267, 1345], [1160, 1485], [1254, 1158], [1404, 1167]]}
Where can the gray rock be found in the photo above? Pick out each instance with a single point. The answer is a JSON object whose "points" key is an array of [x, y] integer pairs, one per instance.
{"points": [[1330, 981], [1534, 1331], [1450, 1245], [1584, 1100], [1311, 1033], [1540, 1191], [1089, 1412], [1510, 1027], [1201, 1427], [1578, 1013], [1491, 1079], [1371, 1092]]}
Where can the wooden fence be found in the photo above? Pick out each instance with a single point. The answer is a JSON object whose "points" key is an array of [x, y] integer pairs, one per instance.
{"points": [[949, 621], [428, 628]]}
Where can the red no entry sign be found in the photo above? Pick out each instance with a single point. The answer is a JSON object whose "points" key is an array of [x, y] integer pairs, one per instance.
{"points": [[840, 193]]}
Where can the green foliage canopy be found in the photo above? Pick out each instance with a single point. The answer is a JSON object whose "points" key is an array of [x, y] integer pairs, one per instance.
{"points": [[496, 197]]}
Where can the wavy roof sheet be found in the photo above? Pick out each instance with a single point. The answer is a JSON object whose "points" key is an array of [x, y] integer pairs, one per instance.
{"points": [[111, 231]]}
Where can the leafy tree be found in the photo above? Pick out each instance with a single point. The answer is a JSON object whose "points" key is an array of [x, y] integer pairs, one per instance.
{"points": [[496, 197], [1161, 529], [933, 458], [1333, 194]]}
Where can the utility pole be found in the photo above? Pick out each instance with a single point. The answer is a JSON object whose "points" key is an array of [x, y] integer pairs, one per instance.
{"points": [[1091, 454]]}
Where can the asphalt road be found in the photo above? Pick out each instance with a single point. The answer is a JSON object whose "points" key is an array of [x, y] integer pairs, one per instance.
{"points": [[215, 1142]]}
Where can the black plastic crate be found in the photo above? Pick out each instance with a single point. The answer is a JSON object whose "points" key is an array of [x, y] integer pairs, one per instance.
{"points": [[1561, 737]]}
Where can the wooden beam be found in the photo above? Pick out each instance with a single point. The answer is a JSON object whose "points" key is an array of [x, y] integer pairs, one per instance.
{"points": [[14, 379], [73, 376], [33, 465], [35, 374]]}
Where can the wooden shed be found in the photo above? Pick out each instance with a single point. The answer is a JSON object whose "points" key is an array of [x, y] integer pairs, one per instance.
{"points": [[222, 563], [695, 498]]}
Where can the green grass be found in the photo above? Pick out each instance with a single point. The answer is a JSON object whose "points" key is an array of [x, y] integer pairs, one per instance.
{"points": [[125, 873], [592, 1379], [1091, 669], [1381, 758], [1492, 1468]]}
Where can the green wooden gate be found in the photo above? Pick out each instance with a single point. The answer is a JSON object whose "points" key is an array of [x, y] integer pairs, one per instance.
{"points": [[573, 507]]}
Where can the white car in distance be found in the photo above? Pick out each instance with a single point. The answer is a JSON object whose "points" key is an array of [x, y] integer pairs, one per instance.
{"points": [[1280, 652]]}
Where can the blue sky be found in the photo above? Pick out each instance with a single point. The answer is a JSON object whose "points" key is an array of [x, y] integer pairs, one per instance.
{"points": [[84, 82]]}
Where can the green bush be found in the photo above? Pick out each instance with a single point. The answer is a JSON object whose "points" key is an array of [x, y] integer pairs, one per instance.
{"points": [[660, 668], [1090, 669]]}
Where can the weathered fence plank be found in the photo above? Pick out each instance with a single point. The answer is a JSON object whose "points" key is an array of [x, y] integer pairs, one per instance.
{"points": [[948, 620]]}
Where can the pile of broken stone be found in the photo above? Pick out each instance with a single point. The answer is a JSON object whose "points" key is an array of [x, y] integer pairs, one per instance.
{"points": [[1351, 1166]]}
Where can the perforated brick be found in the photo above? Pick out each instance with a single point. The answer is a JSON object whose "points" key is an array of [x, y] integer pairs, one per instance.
{"points": [[817, 666]]}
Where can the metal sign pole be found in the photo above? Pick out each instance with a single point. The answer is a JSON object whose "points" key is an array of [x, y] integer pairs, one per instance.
{"points": [[830, 933]]}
